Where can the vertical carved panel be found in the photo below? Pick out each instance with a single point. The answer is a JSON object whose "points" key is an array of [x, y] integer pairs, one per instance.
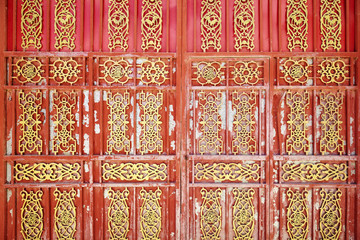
{"points": [[333, 71], [151, 24], [28, 70], [30, 123], [150, 214], [296, 70], [32, 215], [210, 214], [331, 139], [64, 124], [297, 24], [243, 214], [118, 24], [65, 71], [297, 124], [118, 214], [65, 19], [154, 71], [210, 24], [244, 141], [330, 18], [244, 24], [115, 71], [31, 23], [65, 214], [297, 215], [330, 214]]}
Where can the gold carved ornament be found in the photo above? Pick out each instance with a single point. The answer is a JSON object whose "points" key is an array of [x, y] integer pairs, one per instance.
{"points": [[331, 139], [65, 19], [330, 214], [297, 24], [330, 19], [243, 214], [209, 73], [32, 215], [28, 71], [118, 24], [151, 139], [210, 122], [115, 71], [211, 24], [151, 24], [314, 172], [297, 124], [227, 171], [297, 215], [31, 23], [134, 171], [154, 71], [64, 124], [150, 214], [244, 24], [296, 70], [333, 71], [210, 214], [65, 71], [244, 141], [118, 123], [65, 214], [30, 124], [47, 171], [246, 73], [118, 214]]}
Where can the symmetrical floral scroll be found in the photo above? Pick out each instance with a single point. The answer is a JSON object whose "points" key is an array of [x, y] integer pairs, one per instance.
{"points": [[209, 73], [47, 171], [64, 125], [246, 73], [151, 139], [244, 141], [65, 214], [297, 215], [333, 71], [210, 122], [151, 24], [210, 214], [65, 71], [330, 214], [330, 18], [297, 124], [243, 214], [30, 122], [314, 172], [31, 23], [65, 19], [244, 24], [28, 70], [331, 139], [118, 140], [134, 171], [210, 24], [227, 171], [150, 214], [154, 71], [115, 71], [118, 24], [296, 70], [297, 24], [118, 214], [32, 215]]}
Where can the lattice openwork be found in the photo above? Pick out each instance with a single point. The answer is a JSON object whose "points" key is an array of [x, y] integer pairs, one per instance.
{"points": [[116, 71], [297, 24], [31, 23], [134, 171], [330, 18], [244, 24], [209, 73], [65, 19], [330, 214], [150, 214], [297, 215], [246, 72], [334, 71], [28, 70], [296, 70], [211, 24], [65, 214], [65, 71], [118, 24], [154, 71], [210, 214], [151, 24], [118, 214]]}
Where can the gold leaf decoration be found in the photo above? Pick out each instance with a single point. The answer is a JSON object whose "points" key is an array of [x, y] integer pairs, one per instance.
{"points": [[210, 214], [150, 214], [330, 19], [297, 215], [154, 71], [296, 70], [118, 24], [65, 19], [209, 73], [31, 23], [330, 214], [246, 73], [65, 71], [134, 171], [115, 71], [28, 70], [118, 214], [151, 24], [297, 24], [65, 214], [334, 71], [210, 24], [244, 24]]}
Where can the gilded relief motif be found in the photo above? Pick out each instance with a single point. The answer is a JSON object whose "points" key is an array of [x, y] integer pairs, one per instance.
{"points": [[297, 215], [330, 214], [28, 70], [334, 71], [246, 73], [65, 71], [115, 71], [297, 24], [210, 73], [134, 171], [154, 71], [210, 214], [150, 214], [118, 24], [151, 24], [65, 214], [31, 23], [65, 19], [118, 214], [244, 24], [330, 18], [296, 70], [211, 24]]}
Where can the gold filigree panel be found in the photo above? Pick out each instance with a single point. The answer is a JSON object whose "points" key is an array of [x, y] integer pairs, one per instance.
{"points": [[244, 24], [115, 71], [314, 172], [47, 171], [330, 214], [297, 215], [118, 24], [134, 171], [118, 214], [334, 71], [297, 24], [296, 70], [330, 19], [151, 25], [28, 70], [154, 71], [31, 23], [243, 214], [65, 214], [211, 24], [65, 71], [32, 215], [150, 214], [210, 214], [209, 73], [65, 19], [246, 72]]}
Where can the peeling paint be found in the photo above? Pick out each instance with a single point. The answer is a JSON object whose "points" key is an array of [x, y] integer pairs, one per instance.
{"points": [[231, 116], [105, 95], [222, 110], [97, 96], [78, 193], [86, 148], [95, 116], [172, 122], [97, 128], [77, 116], [172, 145], [8, 172], [86, 120], [86, 100], [132, 112], [262, 103], [191, 124], [8, 194], [86, 167], [138, 126], [9, 142]]}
